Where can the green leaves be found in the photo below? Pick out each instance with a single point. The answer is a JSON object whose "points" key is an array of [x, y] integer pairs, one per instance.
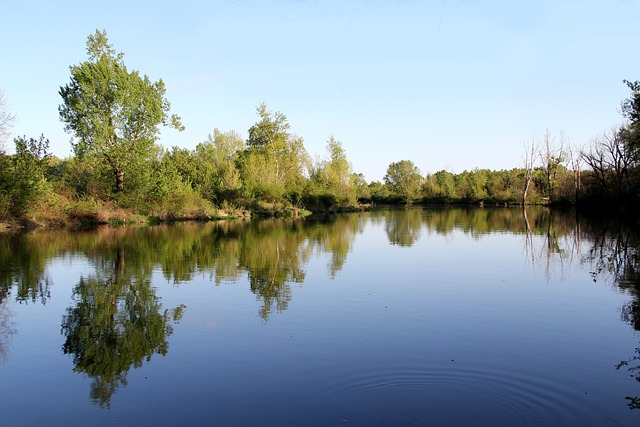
{"points": [[22, 176], [405, 180], [334, 176], [114, 113], [272, 129], [274, 162]]}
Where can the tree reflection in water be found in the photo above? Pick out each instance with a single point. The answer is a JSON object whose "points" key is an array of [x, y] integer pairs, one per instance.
{"points": [[117, 323], [23, 274], [615, 254], [6, 329], [403, 228]]}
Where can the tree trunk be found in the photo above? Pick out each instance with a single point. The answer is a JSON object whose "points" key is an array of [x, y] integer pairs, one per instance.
{"points": [[119, 181], [527, 182]]}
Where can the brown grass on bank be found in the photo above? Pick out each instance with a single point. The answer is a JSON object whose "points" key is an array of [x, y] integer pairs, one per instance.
{"points": [[59, 211]]}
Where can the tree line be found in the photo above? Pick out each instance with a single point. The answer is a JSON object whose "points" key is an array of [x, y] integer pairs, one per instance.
{"points": [[119, 172]]}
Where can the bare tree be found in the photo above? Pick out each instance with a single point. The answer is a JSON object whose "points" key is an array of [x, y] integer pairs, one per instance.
{"points": [[531, 151], [610, 160], [552, 156], [6, 121], [575, 163]]}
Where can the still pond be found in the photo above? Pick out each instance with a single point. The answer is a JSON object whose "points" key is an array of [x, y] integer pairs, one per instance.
{"points": [[493, 316]]}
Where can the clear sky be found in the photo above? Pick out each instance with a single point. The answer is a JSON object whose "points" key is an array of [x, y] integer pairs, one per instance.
{"points": [[448, 84]]}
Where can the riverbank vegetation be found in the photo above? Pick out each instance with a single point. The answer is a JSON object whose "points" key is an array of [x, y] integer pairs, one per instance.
{"points": [[120, 173]]}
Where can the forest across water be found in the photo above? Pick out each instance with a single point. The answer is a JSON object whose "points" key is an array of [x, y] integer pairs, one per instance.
{"points": [[119, 172]]}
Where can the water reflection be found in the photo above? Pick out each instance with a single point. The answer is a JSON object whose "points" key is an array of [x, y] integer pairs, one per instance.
{"points": [[272, 254], [23, 274], [23, 270], [273, 257], [117, 321], [403, 227], [7, 329], [615, 254]]}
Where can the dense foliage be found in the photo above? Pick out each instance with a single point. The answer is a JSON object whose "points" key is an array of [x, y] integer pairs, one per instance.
{"points": [[114, 113], [120, 173]]}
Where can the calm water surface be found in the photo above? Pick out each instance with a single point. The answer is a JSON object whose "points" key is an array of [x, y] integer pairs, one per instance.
{"points": [[394, 317]]}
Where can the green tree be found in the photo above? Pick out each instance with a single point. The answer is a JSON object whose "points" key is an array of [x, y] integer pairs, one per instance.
{"points": [[221, 152], [114, 113], [631, 110], [446, 185], [6, 121], [184, 162], [334, 175], [471, 185], [363, 192], [274, 162], [404, 179], [631, 105], [552, 157], [22, 176], [379, 191]]}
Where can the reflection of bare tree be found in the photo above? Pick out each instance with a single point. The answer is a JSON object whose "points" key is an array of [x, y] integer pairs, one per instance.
{"points": [[551, 239], [6, 330], [529, 245], [538, 228], [615, 256]]}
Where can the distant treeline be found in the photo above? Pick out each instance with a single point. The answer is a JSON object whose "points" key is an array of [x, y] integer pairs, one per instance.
{"points": [[119, 173]]}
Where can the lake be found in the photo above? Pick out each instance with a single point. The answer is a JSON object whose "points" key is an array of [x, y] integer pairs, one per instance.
{"points": [[451, 316]]}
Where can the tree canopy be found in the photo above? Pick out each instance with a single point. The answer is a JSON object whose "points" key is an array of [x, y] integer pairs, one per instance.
{"points": [[631, 110], [334, 175], [405, 180], [114, 113], [275, 160]]}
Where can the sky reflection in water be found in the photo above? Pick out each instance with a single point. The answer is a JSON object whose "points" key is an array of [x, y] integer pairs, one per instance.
{"points": [[394, 317]]}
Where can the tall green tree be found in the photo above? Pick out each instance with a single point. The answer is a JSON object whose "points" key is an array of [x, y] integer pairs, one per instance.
{"points": [[22, 176], [334, 175], [446, 186], [221, 151], [114, 113], [275, 160], [404, 179], [363, 192], [631, 110]]}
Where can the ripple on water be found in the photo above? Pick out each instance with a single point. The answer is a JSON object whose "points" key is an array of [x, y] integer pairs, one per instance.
{"points": [[442, 396]]}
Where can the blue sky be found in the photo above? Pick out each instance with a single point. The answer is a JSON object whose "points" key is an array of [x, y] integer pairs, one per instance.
{"points": [[448, 84]]}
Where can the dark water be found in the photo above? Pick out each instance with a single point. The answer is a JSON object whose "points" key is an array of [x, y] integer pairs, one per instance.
{"points": [[418, 317]]}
